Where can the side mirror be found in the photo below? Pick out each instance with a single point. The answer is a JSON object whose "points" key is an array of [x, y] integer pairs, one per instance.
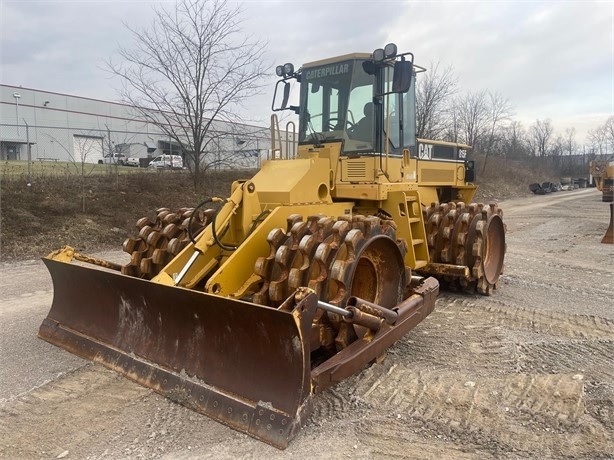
{"points": [[403, 74], [469, 171], [369, 67], [286, 95]]}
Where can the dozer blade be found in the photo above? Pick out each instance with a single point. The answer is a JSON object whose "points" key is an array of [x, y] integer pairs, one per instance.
{"points": [[245, 365]]}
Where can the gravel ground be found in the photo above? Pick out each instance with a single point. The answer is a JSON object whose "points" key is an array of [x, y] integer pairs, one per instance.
{"points": [[525, 373]]}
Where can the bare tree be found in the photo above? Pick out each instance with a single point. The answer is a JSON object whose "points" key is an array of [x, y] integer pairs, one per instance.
{"points": [[514, 140], [86, 149], [598, 139], [499, 111], [557, 148], [452, 131], [189, 73], [602, 137], [571, 146], [541, 136], [433, 91], [608, 132], [472, 110]]}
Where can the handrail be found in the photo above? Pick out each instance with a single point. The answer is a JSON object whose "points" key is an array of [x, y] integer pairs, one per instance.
{"points": [[288, 144]]}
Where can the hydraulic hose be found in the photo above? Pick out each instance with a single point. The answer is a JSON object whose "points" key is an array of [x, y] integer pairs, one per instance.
{"points": [[216, 239], [190, 235]]}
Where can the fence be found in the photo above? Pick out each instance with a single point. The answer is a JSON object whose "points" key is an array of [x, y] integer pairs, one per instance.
{"points": [[236, 149]]}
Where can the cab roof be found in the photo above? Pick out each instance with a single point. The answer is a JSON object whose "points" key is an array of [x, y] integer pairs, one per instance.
{"points": [[332, 60]]}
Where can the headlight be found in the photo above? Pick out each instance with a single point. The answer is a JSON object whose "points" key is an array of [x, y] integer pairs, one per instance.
{"points": [[390, 50], [378, 55], [288, 69]]}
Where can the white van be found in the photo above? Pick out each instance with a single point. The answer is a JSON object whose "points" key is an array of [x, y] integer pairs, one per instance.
{"points": [[167, 161]]}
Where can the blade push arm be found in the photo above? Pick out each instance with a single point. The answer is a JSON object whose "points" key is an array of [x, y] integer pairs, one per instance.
{"points": [[199, 258]]}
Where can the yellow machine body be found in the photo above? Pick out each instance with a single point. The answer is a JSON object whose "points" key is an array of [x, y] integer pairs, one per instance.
{"points": [[305, 273]]}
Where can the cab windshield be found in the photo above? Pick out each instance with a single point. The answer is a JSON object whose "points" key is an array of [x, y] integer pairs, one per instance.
{"points": [[338, 103]]}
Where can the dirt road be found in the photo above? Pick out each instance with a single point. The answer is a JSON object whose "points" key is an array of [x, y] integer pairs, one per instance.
{"points": [[525, 373]]}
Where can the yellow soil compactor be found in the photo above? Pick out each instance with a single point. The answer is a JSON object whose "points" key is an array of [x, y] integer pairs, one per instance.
{"points": [[307, 273]]}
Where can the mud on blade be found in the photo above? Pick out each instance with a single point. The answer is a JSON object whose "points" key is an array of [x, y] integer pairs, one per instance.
{"points": [[242, 364]]}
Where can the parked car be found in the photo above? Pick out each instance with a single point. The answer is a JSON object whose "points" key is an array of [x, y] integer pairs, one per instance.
{"points": [[133, 161], [115, 158], [167, 161]]}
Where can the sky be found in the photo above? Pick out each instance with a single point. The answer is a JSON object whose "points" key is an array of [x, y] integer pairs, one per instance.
{"points": [[551, 59]]}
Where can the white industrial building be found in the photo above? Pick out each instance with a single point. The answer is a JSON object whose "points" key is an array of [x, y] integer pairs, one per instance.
{"points": [[62, 127]]}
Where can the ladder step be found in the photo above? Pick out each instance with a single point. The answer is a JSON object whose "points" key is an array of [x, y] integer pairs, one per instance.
{"points": [[417, 241], [420, 264]]}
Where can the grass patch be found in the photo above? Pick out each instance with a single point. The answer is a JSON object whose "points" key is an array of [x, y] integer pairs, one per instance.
{"points": [[50, 205], [46, 213]]}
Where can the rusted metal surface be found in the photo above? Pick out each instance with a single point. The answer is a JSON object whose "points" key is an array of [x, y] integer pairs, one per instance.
{"points": [[68, 254], [242, 364], [455, 271], [162, 238], [363, 351], [471, 236], [334, 257], [245, 365], [390, 316], [608, 238]]}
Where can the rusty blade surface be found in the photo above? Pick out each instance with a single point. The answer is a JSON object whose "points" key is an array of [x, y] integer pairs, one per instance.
{"points": [[242, 364]]}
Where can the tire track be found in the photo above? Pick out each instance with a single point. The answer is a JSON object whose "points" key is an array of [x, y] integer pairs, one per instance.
{"points": [[510, 377], [565, 268], [594, 359], [463, 334], [551, 322], [598, 294], [483, 409], [600, 403], [472, 400], [83, 403], [479, 316], [333, 402], [388, 437]]}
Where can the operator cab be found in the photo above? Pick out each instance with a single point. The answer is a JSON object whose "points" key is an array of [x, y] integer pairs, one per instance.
{"points": [[365, 101]]}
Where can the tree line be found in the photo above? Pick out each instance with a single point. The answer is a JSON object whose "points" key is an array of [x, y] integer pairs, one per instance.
{"points": [[195, 67], [484, 120]]}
